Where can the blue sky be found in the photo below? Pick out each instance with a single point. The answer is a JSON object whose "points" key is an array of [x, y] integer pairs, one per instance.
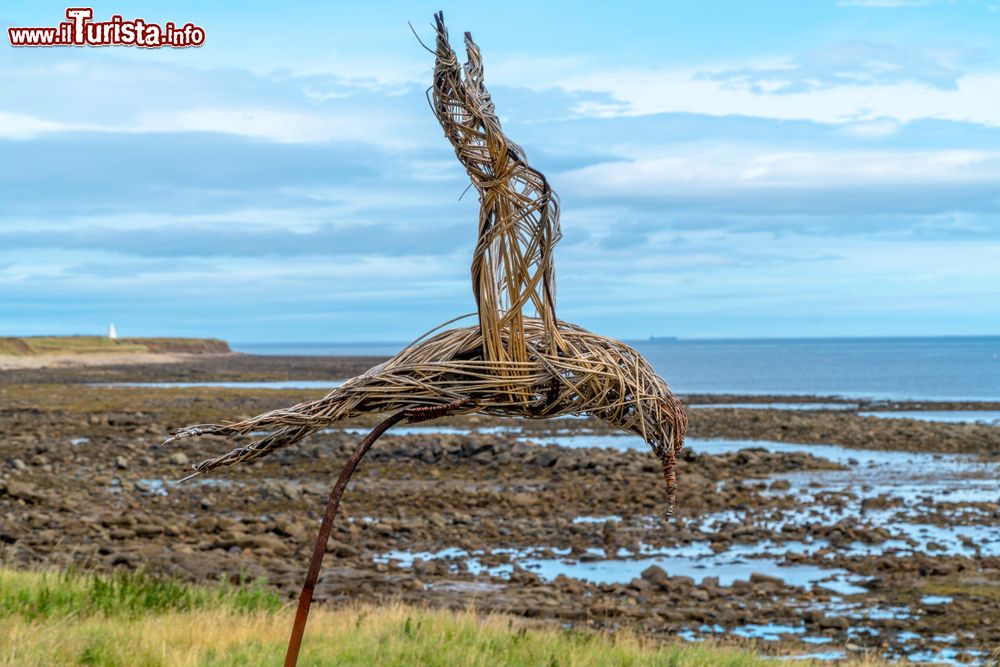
{"points": [[727, 169]]}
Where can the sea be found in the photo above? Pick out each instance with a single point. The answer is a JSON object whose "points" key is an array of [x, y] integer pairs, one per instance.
{"points": [[939, 368]]}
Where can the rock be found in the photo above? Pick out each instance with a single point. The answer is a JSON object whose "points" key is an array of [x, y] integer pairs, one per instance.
{"points": [[144, 487], [475, 448], [833, 623], [719, 546], [290, 490], [759, 578], [289, 529], [121, 462], [522, 499], [23, 491], [206, 524], [640, 585], [148, 530], [565, 463], [179, 459], [341, 550], [700, 595], [226, 523], [124, 559], [412, 584], [19, 464], [548, 457], [943, 569], [655, 574], [113, 520], [265, 541]]}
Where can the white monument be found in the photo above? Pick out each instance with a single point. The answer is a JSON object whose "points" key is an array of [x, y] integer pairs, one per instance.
{"points": [[112, 334]]}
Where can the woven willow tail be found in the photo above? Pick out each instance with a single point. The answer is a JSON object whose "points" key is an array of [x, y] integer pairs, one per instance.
{"points": [[513, 363]]}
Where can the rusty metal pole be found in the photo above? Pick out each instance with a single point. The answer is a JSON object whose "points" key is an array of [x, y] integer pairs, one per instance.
{"points": [[319, 550]]}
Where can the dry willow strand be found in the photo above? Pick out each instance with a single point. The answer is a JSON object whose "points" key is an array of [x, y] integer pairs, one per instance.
{"points": [[510, 363], [512, 266]]}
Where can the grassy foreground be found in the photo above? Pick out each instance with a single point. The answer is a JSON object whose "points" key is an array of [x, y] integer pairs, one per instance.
{"points": [[28, 346], [137, 620]]}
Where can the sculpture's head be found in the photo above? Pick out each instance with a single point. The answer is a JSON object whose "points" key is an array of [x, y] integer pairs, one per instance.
{"points": [[607, 379], [661, 420], [672, 424]]}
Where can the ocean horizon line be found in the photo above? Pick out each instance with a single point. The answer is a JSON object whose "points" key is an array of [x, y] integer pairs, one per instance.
{"points": [[665, 340]]}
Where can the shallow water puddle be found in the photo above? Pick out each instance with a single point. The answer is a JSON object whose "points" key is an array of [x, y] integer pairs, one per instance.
{"points": [[936, 599], [695, 561], [947, 416], [429, 430], [597, 519], [589, 440], [727, 569], [823, 656], [904, 536], [774, 631], [405, 430], [161, 487], [775, 406]]}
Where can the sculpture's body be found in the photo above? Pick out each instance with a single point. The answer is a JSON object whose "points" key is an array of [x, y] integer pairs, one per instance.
{"points": [[510, 364]]}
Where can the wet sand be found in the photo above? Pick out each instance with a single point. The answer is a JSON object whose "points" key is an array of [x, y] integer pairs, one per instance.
{"points": [[881, 539]]}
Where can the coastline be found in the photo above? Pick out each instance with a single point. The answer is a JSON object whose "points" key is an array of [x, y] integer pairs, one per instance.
{"points": [[543, 519], [44, 361]]}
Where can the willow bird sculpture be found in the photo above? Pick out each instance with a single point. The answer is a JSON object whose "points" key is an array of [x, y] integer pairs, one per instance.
{"points": [[511, 363]]}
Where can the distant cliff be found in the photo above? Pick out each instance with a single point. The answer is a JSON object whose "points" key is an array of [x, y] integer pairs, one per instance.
{"points": [[30, 346]]}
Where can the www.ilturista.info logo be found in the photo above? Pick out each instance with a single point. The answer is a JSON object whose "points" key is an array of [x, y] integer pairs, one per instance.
{"points": [[80, 30]]}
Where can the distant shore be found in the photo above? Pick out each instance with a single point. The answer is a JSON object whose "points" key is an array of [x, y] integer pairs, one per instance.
{"points": [[97, 359], [33, 352]]}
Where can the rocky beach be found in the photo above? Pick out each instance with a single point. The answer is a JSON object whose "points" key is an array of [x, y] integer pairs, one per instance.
{"points": [[810, 525]]}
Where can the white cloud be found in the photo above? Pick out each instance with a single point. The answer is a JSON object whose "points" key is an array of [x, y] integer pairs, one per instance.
{"points": [[975, 98], [293, 220], [25, 126], [726, 168], [872, 129], [278, 126]]}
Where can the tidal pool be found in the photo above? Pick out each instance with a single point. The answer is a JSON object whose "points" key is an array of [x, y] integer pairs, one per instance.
{"points": [[777, 405], [949, 416], [696, 561]]}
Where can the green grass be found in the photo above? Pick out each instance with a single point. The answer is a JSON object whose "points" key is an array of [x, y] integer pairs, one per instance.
{"points": [[138, 620], [34, 596], [38, 345]]}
